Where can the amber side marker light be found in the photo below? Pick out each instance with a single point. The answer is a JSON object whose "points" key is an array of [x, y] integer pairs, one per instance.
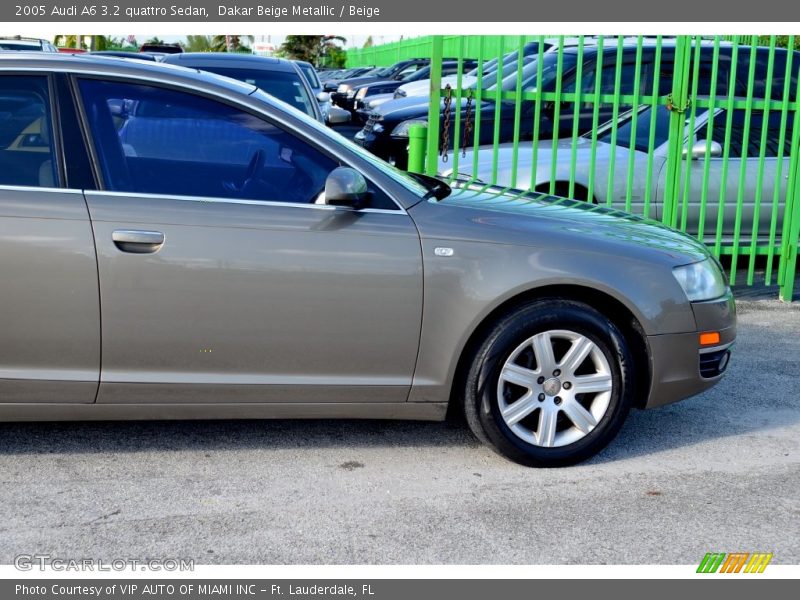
{"points": [[709, 338]]}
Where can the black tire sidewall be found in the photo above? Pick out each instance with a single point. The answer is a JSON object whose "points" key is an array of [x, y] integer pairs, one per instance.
{"points": [[513, 331]]}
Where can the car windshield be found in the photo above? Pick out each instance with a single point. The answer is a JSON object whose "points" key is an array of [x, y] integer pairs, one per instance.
{"points": [[423, 73], [530, 71], [387, 72], [420, 186], [507, 70], [284, 85]]}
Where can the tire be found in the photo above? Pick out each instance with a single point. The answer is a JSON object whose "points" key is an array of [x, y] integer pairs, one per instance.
{"points": [[571, 407]]}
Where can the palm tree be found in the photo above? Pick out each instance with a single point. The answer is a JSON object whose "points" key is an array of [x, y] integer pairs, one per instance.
{"points": [[198, 43], [230, 43]]}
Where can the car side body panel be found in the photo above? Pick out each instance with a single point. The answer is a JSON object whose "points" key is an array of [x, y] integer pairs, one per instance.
{"points": [[50, 317]]}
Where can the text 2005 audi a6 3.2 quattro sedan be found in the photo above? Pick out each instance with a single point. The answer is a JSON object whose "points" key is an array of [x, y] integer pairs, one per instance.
{"points": [[178, 245]]}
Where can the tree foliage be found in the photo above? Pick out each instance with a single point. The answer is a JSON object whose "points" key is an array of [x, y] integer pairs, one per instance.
{"points": [[198, 43], [313, 48], [231, 43]]}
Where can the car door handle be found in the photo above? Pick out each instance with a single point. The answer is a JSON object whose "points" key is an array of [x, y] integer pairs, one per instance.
{"points": [[137, 241]]}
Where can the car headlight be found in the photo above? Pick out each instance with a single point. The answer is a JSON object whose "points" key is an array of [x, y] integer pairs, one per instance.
{"points": [[702, 280], [343, 88], [361, 93], [402, 129]]}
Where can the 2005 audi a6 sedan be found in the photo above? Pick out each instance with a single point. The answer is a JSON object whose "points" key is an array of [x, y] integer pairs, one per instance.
{"points": [[174, 244]]}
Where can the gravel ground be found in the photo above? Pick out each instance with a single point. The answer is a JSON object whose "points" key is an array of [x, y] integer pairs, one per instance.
{"points": [[720, 472]]}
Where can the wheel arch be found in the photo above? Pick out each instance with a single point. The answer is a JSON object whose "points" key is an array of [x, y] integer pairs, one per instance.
{"points": [[581, 191], [608, 305]]}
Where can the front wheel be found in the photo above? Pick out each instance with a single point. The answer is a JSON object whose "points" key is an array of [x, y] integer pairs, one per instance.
{"points": [[551, 384]]}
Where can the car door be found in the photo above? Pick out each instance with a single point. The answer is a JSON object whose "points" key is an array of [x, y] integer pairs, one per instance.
{"points": [[50, 316], [743, 165], [221, 279]]}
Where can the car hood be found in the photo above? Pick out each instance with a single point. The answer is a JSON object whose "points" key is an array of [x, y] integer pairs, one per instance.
{"points": [[377, 81], [357, 81], [414, 107], [494, 214], [422, 86]]}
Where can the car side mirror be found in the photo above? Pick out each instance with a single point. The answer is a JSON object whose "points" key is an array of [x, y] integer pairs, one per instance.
{"points": [[337, 116], [346, 187], [323, 97], [699, 150], [330, 86]]}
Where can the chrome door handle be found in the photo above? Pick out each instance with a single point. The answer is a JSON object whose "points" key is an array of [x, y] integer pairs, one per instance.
{"points": [[137, 241]]}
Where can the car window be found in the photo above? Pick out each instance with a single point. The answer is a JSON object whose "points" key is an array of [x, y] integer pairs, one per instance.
{"points": [[160, 141], [408, 71], [643, 128], [284, 85], [311, 76], [26, 144], [753, 142]]}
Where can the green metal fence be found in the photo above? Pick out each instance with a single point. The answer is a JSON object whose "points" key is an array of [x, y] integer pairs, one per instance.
{"points": [[697, 132], [384, 55]]}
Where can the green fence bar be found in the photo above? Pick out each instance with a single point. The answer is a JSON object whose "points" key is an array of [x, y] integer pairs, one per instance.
{"points": [[537, 114], [432, 152], [726, 147], [690, 127], [773, 223], [679, 102], [743, 163], [762, 155], [614, 121], [791, 222], [637, 82], [573, 157], [709, 129], [598, 77], [651, 139]]}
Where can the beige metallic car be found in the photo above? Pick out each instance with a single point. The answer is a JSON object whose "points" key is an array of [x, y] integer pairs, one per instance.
{"points": [[181, 245]]}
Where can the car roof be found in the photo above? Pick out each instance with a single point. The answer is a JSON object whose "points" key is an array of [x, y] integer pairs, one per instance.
{"points": [[112, 65], [200, 60]]}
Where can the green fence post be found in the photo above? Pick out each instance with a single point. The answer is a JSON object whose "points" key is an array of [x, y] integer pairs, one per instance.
{"points": [[680, 97], [432, 154], [417, 138], [791, 215]]}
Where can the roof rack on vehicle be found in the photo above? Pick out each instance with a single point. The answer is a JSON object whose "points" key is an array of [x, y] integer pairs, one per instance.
{"points": [[20, 38]]}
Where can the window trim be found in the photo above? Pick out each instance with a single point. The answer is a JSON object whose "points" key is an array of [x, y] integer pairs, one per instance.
{"points": [[217, 200], [75, 77], [55, 125]]}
